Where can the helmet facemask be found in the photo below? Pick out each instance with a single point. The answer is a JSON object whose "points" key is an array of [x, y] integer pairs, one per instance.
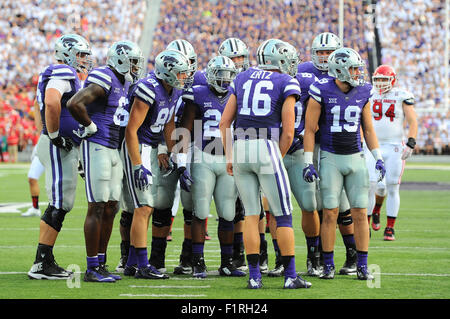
{"points": [[220, 72], [382, 83]]}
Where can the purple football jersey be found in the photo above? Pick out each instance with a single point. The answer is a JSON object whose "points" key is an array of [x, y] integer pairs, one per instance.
{"points": [[260, 96], [308, 67], [340, 120], [161, 108], [66, 123], [124, 116], [305, 80], [107, 112], [209, 109], [200, 78]]}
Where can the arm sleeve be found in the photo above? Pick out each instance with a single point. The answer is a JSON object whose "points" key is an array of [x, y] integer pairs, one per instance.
{"points": [[63, 86]]}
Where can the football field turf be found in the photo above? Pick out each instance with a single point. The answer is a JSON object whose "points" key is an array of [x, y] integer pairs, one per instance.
{"points": [[415, 266]]}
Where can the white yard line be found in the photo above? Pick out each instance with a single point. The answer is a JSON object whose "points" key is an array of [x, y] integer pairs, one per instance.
{"points": [[161, 295]]}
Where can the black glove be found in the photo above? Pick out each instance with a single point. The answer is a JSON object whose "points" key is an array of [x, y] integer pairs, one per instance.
{"points": [[62, 142], [411, 142], [81, 170]]}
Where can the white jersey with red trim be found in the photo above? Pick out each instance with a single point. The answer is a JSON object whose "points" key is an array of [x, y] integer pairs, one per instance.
{"points": [[388, 115]]}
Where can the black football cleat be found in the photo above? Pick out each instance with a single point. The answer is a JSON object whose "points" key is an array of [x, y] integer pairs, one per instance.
{"points": [[349, 267], [149, 272]]}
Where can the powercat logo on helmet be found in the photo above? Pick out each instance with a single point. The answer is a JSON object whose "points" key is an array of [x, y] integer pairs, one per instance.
{"points": [[69, 42], [169, 62], [123, 49]]}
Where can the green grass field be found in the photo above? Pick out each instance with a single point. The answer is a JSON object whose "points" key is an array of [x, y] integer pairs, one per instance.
{"points": [[415, 266]]}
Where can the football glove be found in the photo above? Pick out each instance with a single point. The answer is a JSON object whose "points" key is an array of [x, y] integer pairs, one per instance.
{"points": [[309, 173], [172, 167], [409, 148], [185, 179], [379, 166], [142, 177], [62, 142], [86, 131]]}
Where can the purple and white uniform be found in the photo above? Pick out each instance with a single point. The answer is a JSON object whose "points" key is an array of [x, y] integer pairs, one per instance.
{"points": [[161, 110], [257, 161], [101, 159], [342, 163], [208, 168], [61, 173], [294, 162]]}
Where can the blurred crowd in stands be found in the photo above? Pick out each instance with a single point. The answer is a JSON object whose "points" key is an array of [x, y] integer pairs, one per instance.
{"points": [[410, 31]]}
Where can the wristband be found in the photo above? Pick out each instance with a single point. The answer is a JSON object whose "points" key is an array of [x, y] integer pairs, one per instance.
{"points": [[162, 149], [181, 159], [92, 127], [54, 134], [308, 158], [376, 154]]}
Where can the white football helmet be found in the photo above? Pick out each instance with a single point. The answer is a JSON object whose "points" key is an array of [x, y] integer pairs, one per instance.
{"points": [[187, 49], [74, 50], [169, 64], [234, 47], [274, 54], [127, 59], [325, 41], [339, 63], [220, 72]]}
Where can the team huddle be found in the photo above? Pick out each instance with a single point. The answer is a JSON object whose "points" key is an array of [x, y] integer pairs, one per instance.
{"points": [[246, 137]]}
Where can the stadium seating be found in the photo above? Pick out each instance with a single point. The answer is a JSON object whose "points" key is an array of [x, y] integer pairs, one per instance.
{"points": [[410, 33]]}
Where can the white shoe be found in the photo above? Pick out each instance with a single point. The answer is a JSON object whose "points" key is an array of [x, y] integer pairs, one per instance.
{"points": [[32, 212]]}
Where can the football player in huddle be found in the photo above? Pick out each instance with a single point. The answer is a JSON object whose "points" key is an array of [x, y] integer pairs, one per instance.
{"points": [[98, 107], [238, 52], [208, 167], [321, 47], [342, 104], [57, 148], [126, 201], [261, 100], [170, 182], [151, 119], [390, 107]]}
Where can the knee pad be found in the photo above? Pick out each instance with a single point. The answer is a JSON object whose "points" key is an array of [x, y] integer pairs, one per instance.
{"points": [[54, 217], [162, 217], [225, 225], [284, 221], [345, 218], [187, 215], [392, 189], [126, 219], [381, 190]]}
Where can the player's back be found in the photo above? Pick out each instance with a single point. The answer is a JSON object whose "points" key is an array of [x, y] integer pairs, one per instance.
{"points": [[387, 114], [260, 96], [59, 72]]}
